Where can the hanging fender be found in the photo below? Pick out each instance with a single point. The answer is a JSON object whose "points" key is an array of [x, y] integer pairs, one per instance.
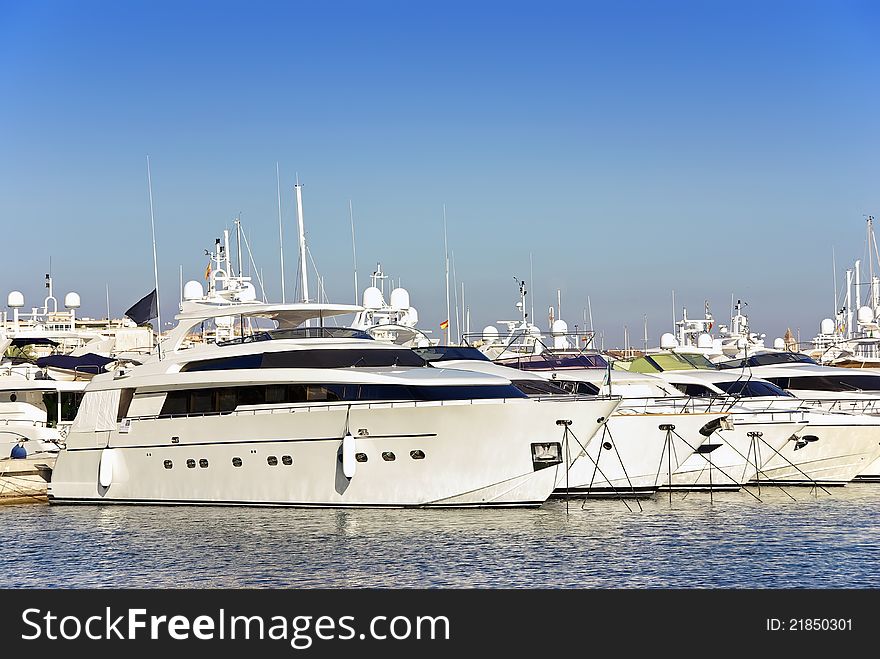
{"points": [[349, 464]]}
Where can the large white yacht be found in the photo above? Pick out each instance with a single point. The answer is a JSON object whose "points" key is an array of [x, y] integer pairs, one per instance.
{"points": [[310, 415]]}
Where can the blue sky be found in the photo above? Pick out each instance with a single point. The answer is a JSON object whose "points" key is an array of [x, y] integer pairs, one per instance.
{"points": [[632, 148]]}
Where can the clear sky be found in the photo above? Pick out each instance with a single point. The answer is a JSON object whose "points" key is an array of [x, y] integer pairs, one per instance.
{"points": [[631, 148]]}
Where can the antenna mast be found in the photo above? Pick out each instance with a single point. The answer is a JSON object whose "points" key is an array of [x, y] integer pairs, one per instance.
{"points": [[155, 263]]}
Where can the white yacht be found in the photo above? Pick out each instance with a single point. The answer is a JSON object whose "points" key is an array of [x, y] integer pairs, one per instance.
{"points": [[832, 449], [836, 389], [310, 415]]}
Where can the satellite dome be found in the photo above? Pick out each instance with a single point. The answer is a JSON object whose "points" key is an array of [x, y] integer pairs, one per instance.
{"points": [[704, 340], [193, 290], [490, 333], [400, 298], [559, 327], [826, 326], [668, 341], [866, 315], [248, 293], [413, 315], [779, 343], [71, 300], [15, 299], [373, 298]]}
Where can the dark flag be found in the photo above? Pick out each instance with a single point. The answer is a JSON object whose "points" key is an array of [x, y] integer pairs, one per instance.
{"points": [[144, 309]]}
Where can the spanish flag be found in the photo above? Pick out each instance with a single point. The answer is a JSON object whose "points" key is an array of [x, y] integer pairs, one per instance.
{"points": [[444, 324], [208, 271]]}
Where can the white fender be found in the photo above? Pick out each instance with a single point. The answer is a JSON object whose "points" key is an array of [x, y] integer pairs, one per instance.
{"points": [[349, 464], [105, 469]]}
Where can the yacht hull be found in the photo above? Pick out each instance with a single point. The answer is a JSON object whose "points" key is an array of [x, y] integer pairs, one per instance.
{"points": [[730, 458], [631, 455], [840, 452], [454, 453]]}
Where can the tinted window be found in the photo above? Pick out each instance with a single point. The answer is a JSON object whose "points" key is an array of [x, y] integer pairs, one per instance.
{"points": [[197, 401], [689, 389], [580, 388], [312, 358], [539, 388], [844, 382]]}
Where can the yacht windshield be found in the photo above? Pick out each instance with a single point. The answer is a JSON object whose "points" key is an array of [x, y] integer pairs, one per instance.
{"points": [[551, 362], [768, 359], [447, 353], [752, 388]]}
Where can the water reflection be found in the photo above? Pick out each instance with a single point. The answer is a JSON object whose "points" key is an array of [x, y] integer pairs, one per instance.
{"points": [[813, 540]]}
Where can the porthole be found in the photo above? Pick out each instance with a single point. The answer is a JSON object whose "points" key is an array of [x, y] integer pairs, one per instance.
{"points": [[388, 456], [168, 464], [287, 460], [360, 457], [191, 464], [203, 463], [417, 455], [272, 460], [13, 397], [607, 446], [236, 462]]}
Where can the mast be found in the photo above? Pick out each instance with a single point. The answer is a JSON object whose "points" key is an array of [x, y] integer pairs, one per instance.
{"points": [[280, 233], [302, 242], [446, 252], [532, 284], [155, 263], [354, 257], [238, 236]]}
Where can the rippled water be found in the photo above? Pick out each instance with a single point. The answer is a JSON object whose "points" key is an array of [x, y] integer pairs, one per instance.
{"points": [[734, 541]]}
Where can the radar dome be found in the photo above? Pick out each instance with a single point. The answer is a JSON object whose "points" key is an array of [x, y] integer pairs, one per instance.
{"points": [[15, 299], [400, 298], [373, 298], [866, 315], [71, 300], [779, 343], [668, 341], [559, 327], [490, 333], [193, 290], [826, 326], [248, 293], [704, 340]]}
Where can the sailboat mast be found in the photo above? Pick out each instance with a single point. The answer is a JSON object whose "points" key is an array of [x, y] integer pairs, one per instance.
{"points": [[302, 242], [446, 252], [280, 233], [155, 263]]}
